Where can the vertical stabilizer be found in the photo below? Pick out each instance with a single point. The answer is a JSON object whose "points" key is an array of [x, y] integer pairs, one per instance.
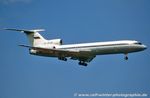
{"points": [[34, 37]]}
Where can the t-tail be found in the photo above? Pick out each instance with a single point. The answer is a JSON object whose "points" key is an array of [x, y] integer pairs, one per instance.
{"points": [[34, 37]]}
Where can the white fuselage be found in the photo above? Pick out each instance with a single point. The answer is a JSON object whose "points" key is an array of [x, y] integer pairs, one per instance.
{"points": [[100, 48]]}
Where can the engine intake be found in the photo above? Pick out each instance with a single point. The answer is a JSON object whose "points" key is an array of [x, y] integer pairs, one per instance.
{"points": [[55, 41]]}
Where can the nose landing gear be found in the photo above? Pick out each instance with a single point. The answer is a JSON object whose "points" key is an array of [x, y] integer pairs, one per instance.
{"points": [[126, 57]]}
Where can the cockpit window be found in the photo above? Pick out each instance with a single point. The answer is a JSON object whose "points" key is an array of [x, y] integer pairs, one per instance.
{"points": [[138, 43]]}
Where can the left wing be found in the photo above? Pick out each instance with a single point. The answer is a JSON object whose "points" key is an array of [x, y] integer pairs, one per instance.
{"points": [[84, 56]]}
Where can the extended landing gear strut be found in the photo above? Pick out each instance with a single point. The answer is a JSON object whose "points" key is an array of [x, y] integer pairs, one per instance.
{"points": [[82, 63], [126, 57]]}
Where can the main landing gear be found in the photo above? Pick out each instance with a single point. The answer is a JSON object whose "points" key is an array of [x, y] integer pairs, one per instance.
{"points": [[82, 63], [126, 57], [62, 58]]}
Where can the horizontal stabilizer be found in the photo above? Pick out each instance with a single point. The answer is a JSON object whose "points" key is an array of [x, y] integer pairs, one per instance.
{"points": [[25, 31], [25, 46]]}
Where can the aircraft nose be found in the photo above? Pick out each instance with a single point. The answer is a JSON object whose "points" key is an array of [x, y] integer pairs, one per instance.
{"points": [[144, 47]]}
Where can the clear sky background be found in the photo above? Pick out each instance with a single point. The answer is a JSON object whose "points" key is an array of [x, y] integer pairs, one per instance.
{"points": [[25, 76]]}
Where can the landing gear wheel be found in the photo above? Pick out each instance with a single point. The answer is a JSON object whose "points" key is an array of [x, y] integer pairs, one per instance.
{"points": [[62, 58], [126, 58], [85, 64], [65, 59], [82, 63]]}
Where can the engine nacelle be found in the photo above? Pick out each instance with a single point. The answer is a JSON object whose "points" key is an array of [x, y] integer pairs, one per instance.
{"points": [[55, 41]]}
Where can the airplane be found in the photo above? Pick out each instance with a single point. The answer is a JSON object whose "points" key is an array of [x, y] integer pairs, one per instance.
{"points": [[83, 52]]}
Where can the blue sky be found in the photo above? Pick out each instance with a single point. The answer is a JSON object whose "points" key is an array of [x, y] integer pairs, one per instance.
{"points": [[25, 76]]}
